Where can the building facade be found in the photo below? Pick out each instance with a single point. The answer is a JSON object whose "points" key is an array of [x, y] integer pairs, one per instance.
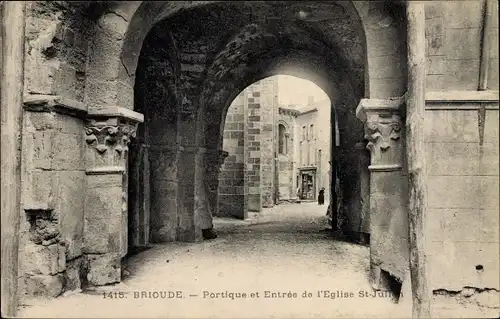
{"points": [[313, 132]]}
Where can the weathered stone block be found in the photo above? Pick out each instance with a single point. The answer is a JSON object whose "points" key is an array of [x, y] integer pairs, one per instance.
{"points": [[455, 17], [65, 81], [451, 126], [42, 193], [454, 265], [97, 236], [42, 149], [72, 275], [463, 192], [70, 210], [433, 10], [463, 43], [103, 195], [67, 152], [101, 93], [45, 285], [41, 120], [61, 258], [40, 75], [388, 67], [39, 259], [164, 166], [462, 159], [471, 225], [491, 129], [441, 82], [465, 72], [103, 269], [385, 88], [103, 213]]}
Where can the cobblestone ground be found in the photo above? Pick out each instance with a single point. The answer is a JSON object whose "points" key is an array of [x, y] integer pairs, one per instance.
{"points": [[282, 250]]}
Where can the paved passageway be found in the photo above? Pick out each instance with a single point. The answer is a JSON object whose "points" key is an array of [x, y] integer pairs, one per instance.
{"points": [[259, 267]]}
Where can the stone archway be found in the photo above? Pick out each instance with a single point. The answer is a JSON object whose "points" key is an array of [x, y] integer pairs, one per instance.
{"points": [[377, 73]]}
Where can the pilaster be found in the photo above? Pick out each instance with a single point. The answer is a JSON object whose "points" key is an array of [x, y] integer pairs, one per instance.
{"points": [[164, 160], [190, 165], [107, 135], [207, 190], [388, 187], [213, 162]]}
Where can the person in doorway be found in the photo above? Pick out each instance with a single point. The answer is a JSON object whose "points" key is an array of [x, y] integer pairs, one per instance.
{"points": [[321, 196]]}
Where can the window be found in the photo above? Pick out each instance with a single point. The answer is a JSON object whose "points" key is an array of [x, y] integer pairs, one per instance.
{"points": [[311, 131], [282, 139], [304, 133]]}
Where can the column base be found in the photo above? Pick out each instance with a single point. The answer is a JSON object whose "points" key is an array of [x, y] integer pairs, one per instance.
{"points": [[103, 269]]}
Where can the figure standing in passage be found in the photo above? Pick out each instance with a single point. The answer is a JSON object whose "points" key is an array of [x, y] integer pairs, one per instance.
{"points": [[321, 196]]}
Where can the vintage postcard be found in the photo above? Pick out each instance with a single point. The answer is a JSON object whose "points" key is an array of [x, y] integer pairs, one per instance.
{"points": [[250, 159]]}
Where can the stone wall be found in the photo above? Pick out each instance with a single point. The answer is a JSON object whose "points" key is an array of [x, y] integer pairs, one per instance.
{"points": [[52, 223], [453, 33], [52, 217], [287, 161], [253, 150], [461, 135], [463, 192], [251, 128], [232, 194], [268, 114]]}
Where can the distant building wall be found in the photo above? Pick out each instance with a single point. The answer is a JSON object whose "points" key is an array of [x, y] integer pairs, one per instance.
{"points": [[313, 143]]}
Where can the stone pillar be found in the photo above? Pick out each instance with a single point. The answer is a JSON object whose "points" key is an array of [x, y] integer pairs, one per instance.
{"points": [[253, 161], [139, 195], [232, 188], [164, 161], [213, 162], [107, 133], [388, 188], [189, 178], [12, 14], [364, 177]]}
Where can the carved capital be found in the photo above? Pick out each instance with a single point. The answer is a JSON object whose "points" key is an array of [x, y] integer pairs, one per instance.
{"points": [[383, 131], [109, 138], [108, 132], [379, 133]]}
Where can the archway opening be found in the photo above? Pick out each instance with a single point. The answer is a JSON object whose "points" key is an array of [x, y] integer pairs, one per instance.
{"points": [[277, 135], [195, 62], [190, 69]]}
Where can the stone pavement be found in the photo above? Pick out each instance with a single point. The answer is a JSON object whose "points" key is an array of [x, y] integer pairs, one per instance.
{"points": [[257, 268]]}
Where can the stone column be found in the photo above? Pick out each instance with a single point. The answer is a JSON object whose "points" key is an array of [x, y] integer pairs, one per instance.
{"points": [[364, 179], [164, 161], [107, 133], [213, 162], [388, 188], [189, 175]]}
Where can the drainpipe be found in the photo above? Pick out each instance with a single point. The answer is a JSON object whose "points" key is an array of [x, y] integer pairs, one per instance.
{"points": [[11, 95]]}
